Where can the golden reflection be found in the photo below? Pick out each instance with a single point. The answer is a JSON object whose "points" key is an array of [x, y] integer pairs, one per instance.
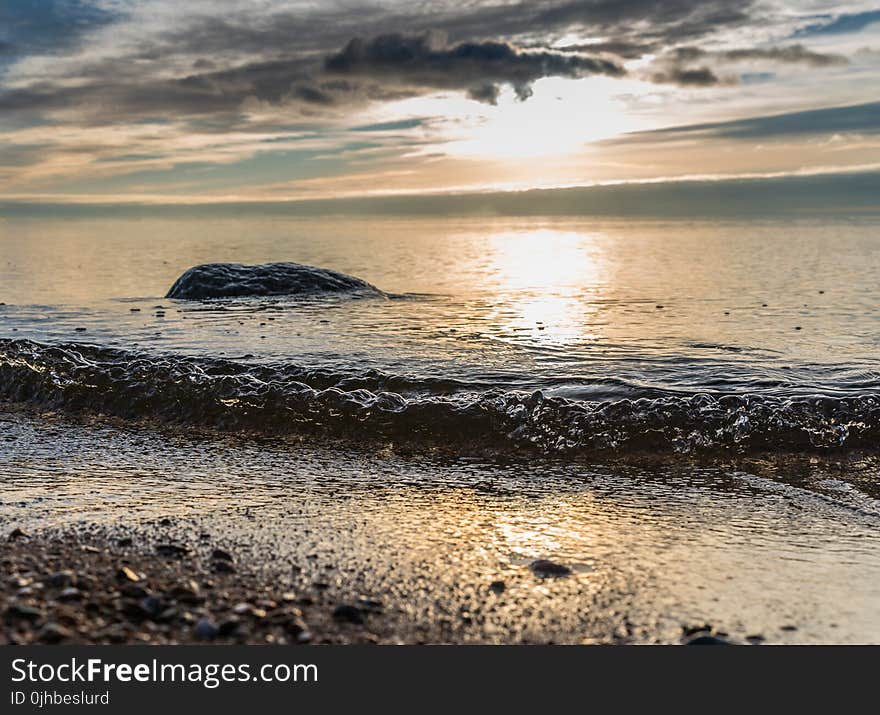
{"points": [[546, 283]]}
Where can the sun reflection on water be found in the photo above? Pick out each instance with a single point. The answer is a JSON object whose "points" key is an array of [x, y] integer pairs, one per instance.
{"points": [[546, 284]]}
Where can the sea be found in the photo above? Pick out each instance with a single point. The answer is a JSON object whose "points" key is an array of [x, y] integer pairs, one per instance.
{"points": [[691, 405]]}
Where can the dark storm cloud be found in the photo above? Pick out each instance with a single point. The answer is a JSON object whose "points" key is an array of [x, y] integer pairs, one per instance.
{"points": [[426, 61], [856, 119]]}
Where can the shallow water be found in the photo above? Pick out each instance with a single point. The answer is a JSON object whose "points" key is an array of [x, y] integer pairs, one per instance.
{"points": [[760, 334], [386, 434], [566, 305], [786, 552]]}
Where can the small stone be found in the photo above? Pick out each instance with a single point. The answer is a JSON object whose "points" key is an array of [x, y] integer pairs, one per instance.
{"points": [[70, 594], [757, 638], [132, 590], [296, 626], [545, 568], [705, 638], [788, 628], [369, 605], [187, 594], [16, 534], [167, 615], [347, 613], [53, 633], [171, 550], [20, 612], [221, 555], [126, 574], [205, 630], [497, 587], [242, 609], [229, 627], [61, 579]]}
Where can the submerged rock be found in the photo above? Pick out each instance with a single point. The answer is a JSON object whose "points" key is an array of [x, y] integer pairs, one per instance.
{"points": [[234, 280], [545, 568]]}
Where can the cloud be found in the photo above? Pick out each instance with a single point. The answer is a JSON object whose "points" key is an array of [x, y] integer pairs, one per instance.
{"points": [[690, 66], [427, 62], [791, 54], [687, 77], [98, 87], [858, 118]]}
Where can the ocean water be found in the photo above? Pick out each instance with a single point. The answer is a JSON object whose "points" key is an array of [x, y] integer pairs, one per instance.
{"points": [[571, 335], [685, 412]]}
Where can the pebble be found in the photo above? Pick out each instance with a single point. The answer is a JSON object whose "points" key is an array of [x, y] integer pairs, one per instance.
{"points": [[297, 627], [132, 590], [703, 638], [171, 550], [53, 633], [221, 555], [497, 587], [242, 609], [70, 594], [18, 611], [229, 627], [348, 613], [61, 579], [205, 630], [17, 534], [187, 595], [126, 574], [369, 604], [543, 567]]}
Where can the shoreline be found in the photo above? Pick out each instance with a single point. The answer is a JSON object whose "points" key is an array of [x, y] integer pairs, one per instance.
{"points": [[284, 538], [100, 589]]}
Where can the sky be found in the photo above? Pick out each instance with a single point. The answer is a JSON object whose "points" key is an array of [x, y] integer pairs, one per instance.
{"points": [[161, 101]]}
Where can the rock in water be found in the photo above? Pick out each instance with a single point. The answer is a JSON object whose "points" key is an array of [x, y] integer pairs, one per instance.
{"points": [[234, 280], [545, 568]]}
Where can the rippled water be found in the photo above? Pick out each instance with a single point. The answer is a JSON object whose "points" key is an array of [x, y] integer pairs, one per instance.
{"points": [[760, 333], [687, 413]]}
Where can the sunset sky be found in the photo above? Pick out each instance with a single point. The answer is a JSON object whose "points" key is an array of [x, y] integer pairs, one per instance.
{"points": [[163, 100]]}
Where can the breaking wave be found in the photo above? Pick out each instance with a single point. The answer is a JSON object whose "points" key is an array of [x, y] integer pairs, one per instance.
{"points": [[283, 398]]}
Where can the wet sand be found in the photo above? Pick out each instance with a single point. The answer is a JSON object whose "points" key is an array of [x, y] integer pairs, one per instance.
{"points": [[332, 543]]}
